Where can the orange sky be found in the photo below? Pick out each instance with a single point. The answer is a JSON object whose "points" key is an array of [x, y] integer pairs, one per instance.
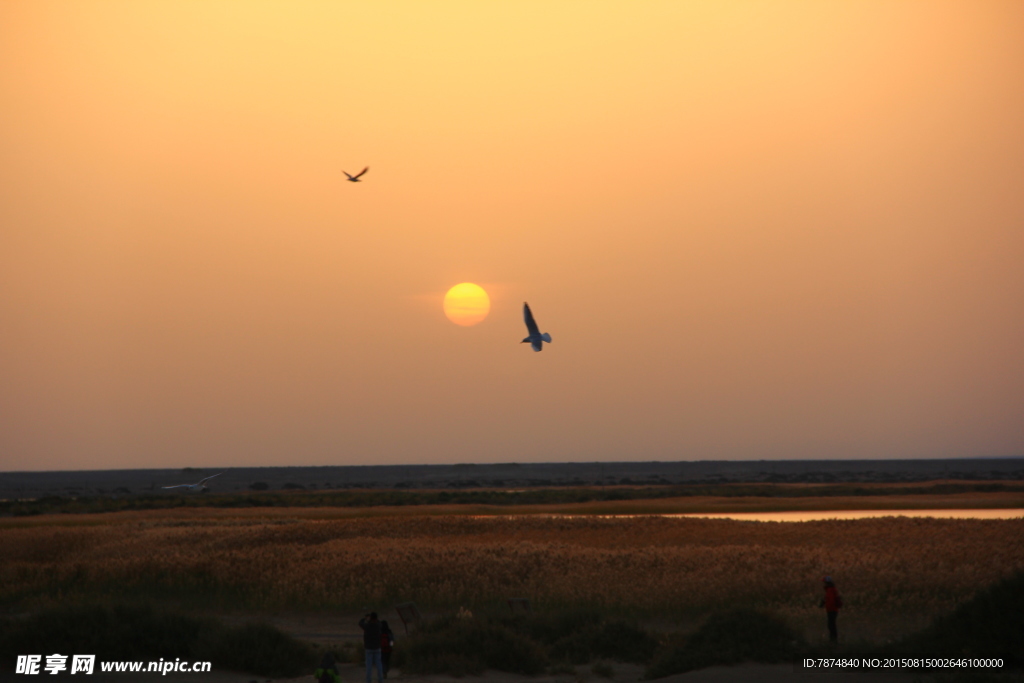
{"points": [[753, 230]]}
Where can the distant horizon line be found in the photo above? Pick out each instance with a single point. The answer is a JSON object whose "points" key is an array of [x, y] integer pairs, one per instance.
{"points": [[527, 463]]}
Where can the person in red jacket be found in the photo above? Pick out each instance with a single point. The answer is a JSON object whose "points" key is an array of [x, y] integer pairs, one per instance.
{"points": [[831, 602]]}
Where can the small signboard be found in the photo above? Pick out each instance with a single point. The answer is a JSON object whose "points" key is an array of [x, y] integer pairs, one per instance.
{"points": [[409, 614]]}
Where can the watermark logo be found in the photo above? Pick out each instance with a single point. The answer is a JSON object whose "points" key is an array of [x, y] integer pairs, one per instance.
{"points": [[83, 664], [28, 664], [55, 663], [34, 665]]}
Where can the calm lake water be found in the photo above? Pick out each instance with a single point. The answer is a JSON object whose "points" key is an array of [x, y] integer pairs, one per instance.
{"points": [[811, 516]]}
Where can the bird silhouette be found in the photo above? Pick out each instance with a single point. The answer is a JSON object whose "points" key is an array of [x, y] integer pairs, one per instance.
{"points": [[355, 178], [198, 486], [536, 339]]}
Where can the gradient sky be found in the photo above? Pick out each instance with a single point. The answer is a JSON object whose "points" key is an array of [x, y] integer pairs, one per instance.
{"points": [[753, 229]]}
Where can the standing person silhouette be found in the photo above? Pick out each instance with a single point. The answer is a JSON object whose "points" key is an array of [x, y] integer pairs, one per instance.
{"points": [[371, 643], [831, 602], [387, 643]]}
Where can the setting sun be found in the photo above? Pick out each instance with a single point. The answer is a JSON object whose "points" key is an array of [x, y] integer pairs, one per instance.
{"points": [[466, 304]]}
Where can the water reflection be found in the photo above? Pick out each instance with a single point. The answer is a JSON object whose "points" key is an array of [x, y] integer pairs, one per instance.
{"points": [[816, 515]]}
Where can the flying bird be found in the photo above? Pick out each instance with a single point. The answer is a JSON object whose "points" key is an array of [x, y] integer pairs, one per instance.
{"points": [[355, 178], [198, 486], [536, 339]]}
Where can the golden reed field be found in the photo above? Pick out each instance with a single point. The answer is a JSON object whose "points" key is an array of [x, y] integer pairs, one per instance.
{"points": [[894, 573]]}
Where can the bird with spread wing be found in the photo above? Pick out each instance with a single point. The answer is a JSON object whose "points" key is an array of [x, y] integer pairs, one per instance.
{"points": [[198, 486], [536, 339], [355, 178]]}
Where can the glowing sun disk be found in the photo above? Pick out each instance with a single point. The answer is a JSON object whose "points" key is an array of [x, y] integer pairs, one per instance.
{"points": [[466, 304]]}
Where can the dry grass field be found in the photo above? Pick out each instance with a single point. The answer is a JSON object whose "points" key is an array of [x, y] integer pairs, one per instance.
{"points": [[894, 573]]}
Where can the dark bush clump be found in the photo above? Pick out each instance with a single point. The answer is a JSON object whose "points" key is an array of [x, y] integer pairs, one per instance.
{"points": [[549, 628], [119, 632], [523, 644], [617, 640], [141, 633], [259, 648], [732, 637], [468, 646], [988, 625]]}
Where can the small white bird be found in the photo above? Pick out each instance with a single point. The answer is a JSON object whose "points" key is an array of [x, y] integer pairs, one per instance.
{"points": [[355, 178], [198, 486], [536, 339]]}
